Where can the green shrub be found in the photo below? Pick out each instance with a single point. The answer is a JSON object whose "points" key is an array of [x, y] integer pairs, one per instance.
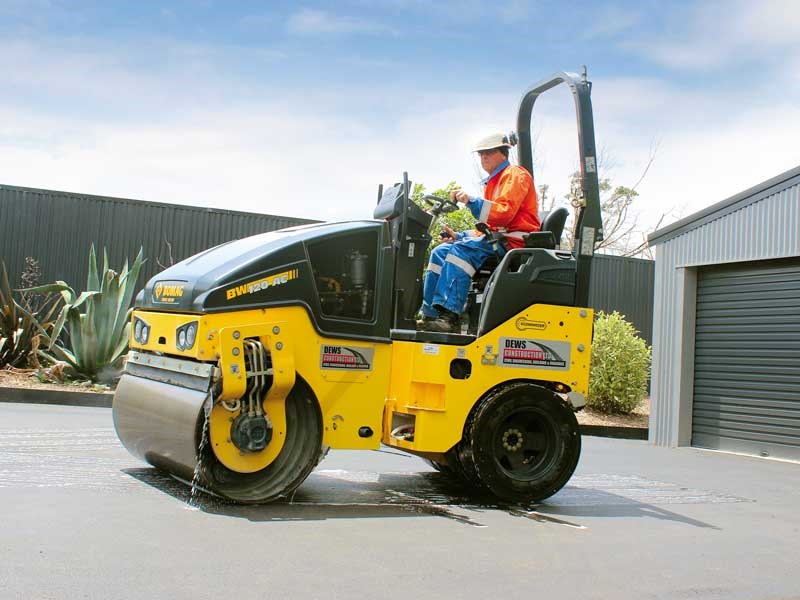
{"points": [[97, 320], [19, 328], [620, 365]]}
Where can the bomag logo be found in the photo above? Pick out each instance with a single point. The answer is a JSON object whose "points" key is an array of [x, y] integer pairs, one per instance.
{"points": [[168, 292], [264, 283]]}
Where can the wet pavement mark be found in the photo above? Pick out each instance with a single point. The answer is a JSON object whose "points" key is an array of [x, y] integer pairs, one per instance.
{"points": [[542, 518], [94, 459], [423, 505]]}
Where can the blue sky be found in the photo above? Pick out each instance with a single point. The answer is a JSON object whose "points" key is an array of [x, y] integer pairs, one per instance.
{"points": [[303, 108]]}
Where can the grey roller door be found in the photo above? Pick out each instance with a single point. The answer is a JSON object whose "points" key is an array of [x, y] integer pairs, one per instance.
{"points": [[747, 359]]}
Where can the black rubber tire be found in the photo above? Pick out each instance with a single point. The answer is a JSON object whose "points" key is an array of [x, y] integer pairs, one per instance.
{"points": [[464, 460], [302, 450], [525, 442]]}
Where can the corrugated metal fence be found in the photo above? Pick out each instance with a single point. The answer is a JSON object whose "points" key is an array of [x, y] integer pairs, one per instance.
{"points": [[57, 229], [625, 285]]}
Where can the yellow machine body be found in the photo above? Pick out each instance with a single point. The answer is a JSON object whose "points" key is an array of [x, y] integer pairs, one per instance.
{"points": [[424, 395], [348, 399], [425, 389]]}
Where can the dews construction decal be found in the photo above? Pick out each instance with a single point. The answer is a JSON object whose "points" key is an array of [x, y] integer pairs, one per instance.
{"points": [[251, 287], [528, 353], [346, 358]]}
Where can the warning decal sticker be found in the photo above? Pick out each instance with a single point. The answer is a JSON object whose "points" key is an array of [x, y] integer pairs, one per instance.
{"points": [[537, 354], [346, 358]]}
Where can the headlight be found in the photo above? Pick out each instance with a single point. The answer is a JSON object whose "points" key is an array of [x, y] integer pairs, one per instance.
{"points": [[141, 330], [186, 335], [191, 334]]}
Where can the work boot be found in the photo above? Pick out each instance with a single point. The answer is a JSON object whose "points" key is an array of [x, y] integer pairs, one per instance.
{"points": [[423, 322], [446, 322]]}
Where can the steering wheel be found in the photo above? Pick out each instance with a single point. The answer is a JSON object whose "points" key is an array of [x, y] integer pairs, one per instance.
{"points": [[445, 205]]}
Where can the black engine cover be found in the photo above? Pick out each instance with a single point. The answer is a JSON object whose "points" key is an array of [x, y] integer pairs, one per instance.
{"points": [[310, 266]]}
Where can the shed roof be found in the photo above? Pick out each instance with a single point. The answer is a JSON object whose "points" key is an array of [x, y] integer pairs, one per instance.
{"points": [[727, 206]]}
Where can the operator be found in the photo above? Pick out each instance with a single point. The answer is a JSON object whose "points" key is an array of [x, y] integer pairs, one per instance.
{"points": [[509, 207]]}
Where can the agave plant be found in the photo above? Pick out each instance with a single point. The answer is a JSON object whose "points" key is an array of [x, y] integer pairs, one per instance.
{"points": [[19, 329], [97, 320]]}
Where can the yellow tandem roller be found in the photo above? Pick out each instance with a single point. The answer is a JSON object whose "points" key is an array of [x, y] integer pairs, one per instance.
{"points": [[249, 360]]}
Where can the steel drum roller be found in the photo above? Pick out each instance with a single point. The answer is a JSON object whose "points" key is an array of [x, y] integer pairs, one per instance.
{"points": [[159, 422]]}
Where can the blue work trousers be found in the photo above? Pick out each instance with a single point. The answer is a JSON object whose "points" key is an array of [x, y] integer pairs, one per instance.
{"points": [[450, 271]]}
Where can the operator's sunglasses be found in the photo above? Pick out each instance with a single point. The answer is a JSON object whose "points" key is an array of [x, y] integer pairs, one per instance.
{"points": [[485, 152]]}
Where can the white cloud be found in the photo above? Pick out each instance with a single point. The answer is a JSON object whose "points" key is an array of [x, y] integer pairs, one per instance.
{"points": [[611, 21], [710, 145], [154, 134], [718, 33], [313, 21], [243, 158]]}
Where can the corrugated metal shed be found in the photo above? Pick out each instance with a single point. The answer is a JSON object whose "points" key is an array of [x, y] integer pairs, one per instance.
{"points": [[758, 224], [747, 358], [57, 228]]}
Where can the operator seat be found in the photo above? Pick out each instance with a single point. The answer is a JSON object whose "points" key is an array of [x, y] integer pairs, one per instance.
{"points": [[548, 237], [550, 234]]}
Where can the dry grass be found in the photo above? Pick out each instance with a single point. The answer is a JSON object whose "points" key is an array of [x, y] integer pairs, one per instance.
{"points": [[26, 378], [638, 418]]}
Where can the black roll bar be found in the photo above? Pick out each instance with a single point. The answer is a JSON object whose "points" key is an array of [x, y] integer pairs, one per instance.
{"points": [[589, 220]]}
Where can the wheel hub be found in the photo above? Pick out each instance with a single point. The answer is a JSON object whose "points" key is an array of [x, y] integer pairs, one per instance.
{"points": [[251, 433], [513, 439]]}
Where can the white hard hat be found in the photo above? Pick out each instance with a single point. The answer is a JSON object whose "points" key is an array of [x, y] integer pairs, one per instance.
{"points": [[496, 140]]}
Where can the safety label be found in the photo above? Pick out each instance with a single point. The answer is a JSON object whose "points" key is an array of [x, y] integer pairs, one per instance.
{"points": [[537, 354], [346, 358], [587, 243]]}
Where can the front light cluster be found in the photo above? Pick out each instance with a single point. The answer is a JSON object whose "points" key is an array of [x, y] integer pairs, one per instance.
{"points": [[185, 335], [141, 330]]}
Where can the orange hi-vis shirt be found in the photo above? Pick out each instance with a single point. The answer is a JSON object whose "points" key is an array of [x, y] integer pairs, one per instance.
{"points": [[510, 204]]}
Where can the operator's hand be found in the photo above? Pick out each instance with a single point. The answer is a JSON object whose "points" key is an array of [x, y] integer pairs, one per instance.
{"points": [[447, 236], [459, 196]]}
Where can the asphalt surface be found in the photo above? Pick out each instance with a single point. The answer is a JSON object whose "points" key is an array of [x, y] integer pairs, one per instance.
{"points": [[83, 519]]}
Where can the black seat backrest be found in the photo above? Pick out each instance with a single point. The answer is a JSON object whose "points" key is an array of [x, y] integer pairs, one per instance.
{"points": [[555, 221], [550, 235], [391, 203]]}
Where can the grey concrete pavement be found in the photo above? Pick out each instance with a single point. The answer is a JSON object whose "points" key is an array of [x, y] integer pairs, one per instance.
{"points": [[83, 519]]}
